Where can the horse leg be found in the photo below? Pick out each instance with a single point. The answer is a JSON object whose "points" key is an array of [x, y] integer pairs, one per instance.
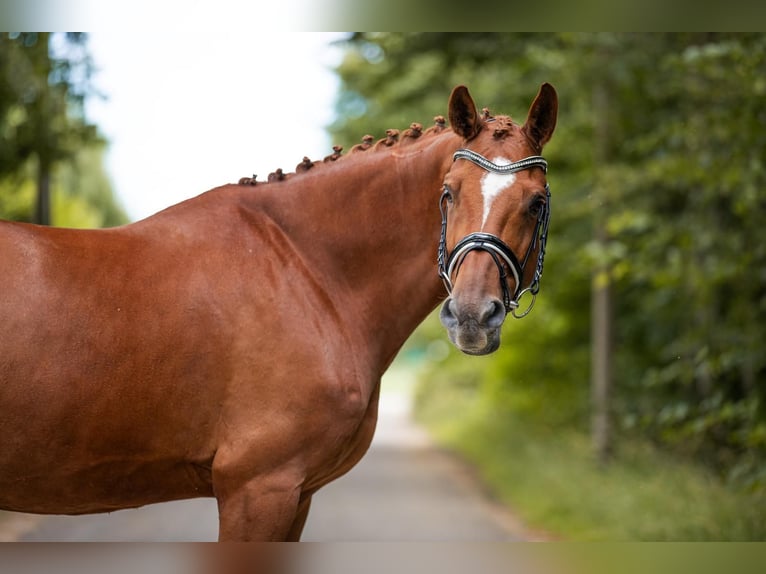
{"points": [[261, 509]]}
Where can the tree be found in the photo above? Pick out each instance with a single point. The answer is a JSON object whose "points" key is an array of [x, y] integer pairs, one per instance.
{"points": [[44, 80], [660, 149]]}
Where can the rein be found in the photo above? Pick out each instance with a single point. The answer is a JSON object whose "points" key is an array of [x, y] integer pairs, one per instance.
{"points": [[502, 255]]}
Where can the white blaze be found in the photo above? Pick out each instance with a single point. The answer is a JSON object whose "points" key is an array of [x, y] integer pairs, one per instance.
{"points": [[492, 184]]}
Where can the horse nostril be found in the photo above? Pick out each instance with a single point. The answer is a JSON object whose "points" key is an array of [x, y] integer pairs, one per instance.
{"points": [[494, 314], [447, 314]]}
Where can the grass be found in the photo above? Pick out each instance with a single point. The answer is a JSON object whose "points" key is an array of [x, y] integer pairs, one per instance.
{"points": [[548, 477]]}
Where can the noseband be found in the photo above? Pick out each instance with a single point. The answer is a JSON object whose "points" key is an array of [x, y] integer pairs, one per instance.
{"points": [[502, 255]]}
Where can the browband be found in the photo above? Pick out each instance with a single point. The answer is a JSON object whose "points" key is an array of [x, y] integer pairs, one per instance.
{"points": [[483, 162]]}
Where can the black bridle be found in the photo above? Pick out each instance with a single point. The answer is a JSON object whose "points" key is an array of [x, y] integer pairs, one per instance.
{"points": [[502, 255]]}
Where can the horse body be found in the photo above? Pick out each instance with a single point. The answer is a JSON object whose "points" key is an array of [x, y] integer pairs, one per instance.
{"points": [[188, 327], [229, 346]]}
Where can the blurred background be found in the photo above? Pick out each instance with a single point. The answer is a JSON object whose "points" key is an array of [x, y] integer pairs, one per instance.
{"points": [[630, 404]]}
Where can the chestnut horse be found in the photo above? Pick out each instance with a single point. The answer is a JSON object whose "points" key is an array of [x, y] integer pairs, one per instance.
{"points": [[232, 345]]}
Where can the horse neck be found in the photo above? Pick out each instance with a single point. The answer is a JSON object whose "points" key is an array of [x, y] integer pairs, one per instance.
{"points": [[368, 226]]}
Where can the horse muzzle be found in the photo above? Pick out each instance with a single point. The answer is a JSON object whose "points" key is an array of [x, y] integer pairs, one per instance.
{"points": [[474, 328]]}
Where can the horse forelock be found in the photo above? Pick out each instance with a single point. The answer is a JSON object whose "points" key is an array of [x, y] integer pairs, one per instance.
{"points": [[501, 127]]}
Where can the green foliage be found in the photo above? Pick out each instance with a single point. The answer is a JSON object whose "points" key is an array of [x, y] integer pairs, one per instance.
{"points": [[85, 196], [44, 80], [82, 193], [45, 137], [661, 140], [692, 361], [17, 198], [549, 478]]}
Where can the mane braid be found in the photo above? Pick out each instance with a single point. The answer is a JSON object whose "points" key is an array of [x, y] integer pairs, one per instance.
{"points": [[393, 139]]}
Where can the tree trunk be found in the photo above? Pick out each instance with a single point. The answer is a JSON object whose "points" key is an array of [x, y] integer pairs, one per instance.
{"points": [[45, 139], [601, 360], [601, 291], [43, 205]]}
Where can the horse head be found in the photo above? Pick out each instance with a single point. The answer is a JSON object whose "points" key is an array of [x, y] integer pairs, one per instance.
{"points": [[495, 208]]}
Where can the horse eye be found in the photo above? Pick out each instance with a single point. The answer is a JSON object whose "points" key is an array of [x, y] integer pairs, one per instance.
{"points": [[447, 194], [537, 206]]}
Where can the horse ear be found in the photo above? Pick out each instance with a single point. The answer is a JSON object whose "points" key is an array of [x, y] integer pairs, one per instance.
{"points": [[462, 113], [541, 119]]}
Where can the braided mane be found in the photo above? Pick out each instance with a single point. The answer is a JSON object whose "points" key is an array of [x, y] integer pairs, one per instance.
{"points": [[394, 138]]}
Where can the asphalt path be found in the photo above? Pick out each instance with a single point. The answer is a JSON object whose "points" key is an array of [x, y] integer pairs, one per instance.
{"points": [[404, 489]]}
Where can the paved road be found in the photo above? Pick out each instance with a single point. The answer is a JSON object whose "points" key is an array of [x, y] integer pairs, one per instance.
{"points": [[404, 489]]}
